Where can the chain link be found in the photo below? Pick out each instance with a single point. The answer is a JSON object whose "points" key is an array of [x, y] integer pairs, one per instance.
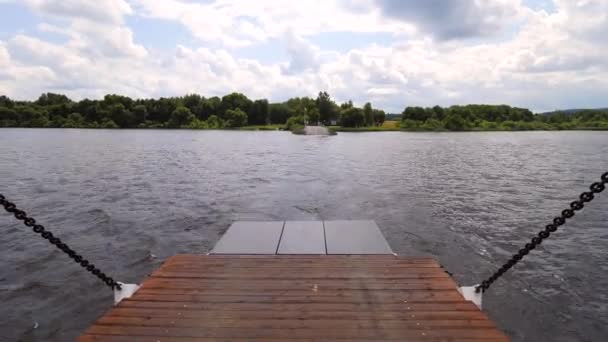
{"points": [[575, 206], [39, 229]]}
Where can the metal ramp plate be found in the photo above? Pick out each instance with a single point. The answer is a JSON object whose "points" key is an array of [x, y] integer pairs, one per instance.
{"points": [[302, 237], [355, 237], [250, 238]]}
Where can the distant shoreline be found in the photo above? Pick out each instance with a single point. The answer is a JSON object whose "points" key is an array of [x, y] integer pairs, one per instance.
{"points": [[235, 111], [335, 129]]}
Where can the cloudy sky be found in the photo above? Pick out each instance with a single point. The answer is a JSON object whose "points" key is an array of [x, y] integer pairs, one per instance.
{"points": [[539, 54]]}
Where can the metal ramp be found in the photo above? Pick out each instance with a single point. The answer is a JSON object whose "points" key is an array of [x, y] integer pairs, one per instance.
{"points": [[303, 237]]}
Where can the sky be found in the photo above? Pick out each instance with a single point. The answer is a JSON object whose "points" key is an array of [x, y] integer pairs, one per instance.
{"points": [[537, 54]]}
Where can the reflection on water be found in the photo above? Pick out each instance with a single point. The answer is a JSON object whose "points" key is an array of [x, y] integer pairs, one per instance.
{"points": [[469, 199]]}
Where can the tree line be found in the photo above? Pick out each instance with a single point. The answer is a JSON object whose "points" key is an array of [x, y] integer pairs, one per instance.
{"points": [[237, 110], [498, 117], [189, 111]]}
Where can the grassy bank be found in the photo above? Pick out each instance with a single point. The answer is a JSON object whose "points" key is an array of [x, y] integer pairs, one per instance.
{"points": [[262, 128], [397, 126], [387, 126], [362, 129]]}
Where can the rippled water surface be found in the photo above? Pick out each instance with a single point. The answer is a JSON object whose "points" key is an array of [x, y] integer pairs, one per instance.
{"points": [[127, 199]]}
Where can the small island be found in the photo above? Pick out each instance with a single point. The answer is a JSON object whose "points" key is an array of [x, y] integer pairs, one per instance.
{"points": [[237, 111]]}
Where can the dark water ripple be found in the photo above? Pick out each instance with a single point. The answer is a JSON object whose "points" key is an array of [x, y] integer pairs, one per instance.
{"points": [[129, 199]]}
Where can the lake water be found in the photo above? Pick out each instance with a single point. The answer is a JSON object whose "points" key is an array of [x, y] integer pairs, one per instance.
{"points": [[127, 199]]}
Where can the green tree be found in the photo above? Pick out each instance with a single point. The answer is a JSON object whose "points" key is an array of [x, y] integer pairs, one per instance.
{"points": [[369, 114], [235, 118], [90, 110], [299, 106], [108, 123], [180, 117], [279, 113], [235, 101], [113, 99], [352, 117], [454, 122], [160, 110], [328, 110], [439, 113], [140, 113], [74, 120], [432, 125], [194, 102], [198, 124], [48, 99], [8, 117], [313, 116], [259, 114], [379, 117], [214, 122], [120, 115], [295, 122], [210, 106], [28, 116], [410, 125], [5, 101], [415, 113], [346, 105]]}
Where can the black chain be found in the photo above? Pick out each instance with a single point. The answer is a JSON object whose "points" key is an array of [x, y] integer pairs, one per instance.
{"points": [[577, 205], [38, 228]]}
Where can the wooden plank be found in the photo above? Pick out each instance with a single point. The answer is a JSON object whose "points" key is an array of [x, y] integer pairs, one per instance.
{"points": [[418, 296], [250, 238], [304, 298], [302, 237], [122, 338], [317, 307], [261, 332], [355, 237], [297, 323], [451, 312], [278, 287], [195, 258]]}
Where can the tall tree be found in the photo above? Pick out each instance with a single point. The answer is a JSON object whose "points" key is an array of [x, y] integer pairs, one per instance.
{"points": [[211, 106], [194, 103], [5, 101], [120, 115], [234, 101], [259, 114], [439, 113], [328, 110], [140, 113], [236, 118], [346, 105], [313, 116], [181, 116], [379, 116], [47, 99], [352, 117], [279, 113], [8, 117], [368, 113]]}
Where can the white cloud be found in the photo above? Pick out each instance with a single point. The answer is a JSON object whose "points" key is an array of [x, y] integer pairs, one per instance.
{"points": [[454, 19], [95, 28], [303, 56], [551, 60], [237, 23], [104, 11]]}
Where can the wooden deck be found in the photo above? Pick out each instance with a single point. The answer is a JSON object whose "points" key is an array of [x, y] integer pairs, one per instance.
{"points": [[296, 298]]}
